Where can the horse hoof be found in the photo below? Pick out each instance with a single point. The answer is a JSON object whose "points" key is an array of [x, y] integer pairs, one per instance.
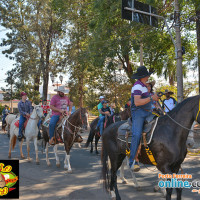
{"points": [[37, 163], [97, 152], [156, 188], [69, 171], [91, 151], [22, 157], [124, 182], [9, 156], [58, 165]]}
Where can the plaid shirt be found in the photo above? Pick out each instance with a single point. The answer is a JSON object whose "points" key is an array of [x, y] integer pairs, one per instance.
{"points": [[25, 107]]}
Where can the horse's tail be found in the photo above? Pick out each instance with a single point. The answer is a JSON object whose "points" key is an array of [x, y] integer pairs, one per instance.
{"points": [[13, 141], [104, 160], [90, 138]]}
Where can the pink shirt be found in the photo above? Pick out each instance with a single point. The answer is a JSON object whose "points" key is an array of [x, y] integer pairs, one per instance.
{"points": [[60, 103]]}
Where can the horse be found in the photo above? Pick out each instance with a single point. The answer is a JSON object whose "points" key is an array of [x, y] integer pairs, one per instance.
{"points": [[9, 118], [31, 132], [124, 115], [168, 144], [94, 133], [69, 128]]}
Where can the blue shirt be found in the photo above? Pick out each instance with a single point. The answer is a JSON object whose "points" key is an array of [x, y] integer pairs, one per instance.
{"points": [[25, 107], [140, 89]]}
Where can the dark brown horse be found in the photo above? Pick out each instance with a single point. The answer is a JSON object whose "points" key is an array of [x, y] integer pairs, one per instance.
{"points": [[68, 130], [168, 144], [124, 115]]}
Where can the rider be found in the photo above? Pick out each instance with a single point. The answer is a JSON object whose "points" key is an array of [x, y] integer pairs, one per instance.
{"points": [[58, 106], [105, 111], [140, 110], [45, 108], [169, 103], [99, 107], [4, 114], [25, 109]]}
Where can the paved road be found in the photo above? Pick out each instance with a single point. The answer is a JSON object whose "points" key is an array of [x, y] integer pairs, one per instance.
{"points": [[52, 183]]}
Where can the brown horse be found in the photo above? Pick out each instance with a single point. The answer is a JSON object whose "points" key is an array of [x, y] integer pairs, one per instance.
{"points": [[124, 115], [68, 131]]}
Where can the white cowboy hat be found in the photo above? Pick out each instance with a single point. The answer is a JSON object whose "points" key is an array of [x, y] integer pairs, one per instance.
{"points": [[101, 97], [61, 89]]}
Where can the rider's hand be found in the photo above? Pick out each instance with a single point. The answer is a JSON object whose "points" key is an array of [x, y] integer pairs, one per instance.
{"points": [[62, 111], [155, 97], [28, 115]]}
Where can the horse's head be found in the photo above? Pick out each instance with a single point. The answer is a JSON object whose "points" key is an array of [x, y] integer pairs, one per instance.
{"points": [[39, 111], [84, 117]]}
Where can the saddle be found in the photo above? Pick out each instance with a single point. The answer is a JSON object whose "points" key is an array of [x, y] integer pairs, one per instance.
{"points": [[17, 123], [125, 130]]}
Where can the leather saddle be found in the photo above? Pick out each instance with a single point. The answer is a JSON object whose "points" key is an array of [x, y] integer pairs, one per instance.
{"points": [[125, 130]]}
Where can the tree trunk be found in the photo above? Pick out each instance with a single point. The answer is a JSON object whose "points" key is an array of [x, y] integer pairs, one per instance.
{"points": [[81, 93], [179, 70], [37, 83], [198, 41], [171, 80]]}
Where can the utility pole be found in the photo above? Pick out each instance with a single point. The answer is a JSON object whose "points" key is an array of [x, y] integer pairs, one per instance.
{"points": [[179, 70]]}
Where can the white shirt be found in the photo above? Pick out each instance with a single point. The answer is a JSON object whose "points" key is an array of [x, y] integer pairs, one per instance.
{"points": [[169, 103]]}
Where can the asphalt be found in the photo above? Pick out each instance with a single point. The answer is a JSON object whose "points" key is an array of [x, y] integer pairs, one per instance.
{"points": [[84, 183]]}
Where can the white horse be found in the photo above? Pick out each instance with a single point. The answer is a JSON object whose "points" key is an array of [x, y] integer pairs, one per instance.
{"points": [[9, 119], [31, 132]]}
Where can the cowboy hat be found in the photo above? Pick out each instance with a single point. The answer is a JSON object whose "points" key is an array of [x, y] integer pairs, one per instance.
{"points": [[61, 89], [23, 94], [141, 73], [169, 92]]}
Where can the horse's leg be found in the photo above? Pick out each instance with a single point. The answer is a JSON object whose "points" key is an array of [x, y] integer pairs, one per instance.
{"points": [[10, 145], [20, 147], [96, 143], [166, 170], [55, 148], [91, 150], [124, 181], [28, 150], [36, 150], [113, 183], [47, 151], [67, 163]]}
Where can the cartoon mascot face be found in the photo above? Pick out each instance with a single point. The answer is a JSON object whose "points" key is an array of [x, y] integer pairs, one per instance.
{"points": [[2, 181]]}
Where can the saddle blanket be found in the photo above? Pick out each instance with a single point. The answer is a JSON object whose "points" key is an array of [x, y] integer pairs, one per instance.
{"points": [[17, 123], [46, 123], [125, 132]]}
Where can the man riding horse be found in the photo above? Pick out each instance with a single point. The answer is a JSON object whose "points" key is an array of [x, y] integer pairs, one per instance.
{"points": [[58, 106], [25, 109], [141, 102]]}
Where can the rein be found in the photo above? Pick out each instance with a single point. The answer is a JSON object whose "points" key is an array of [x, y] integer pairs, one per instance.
{"points": [[179, 123]]}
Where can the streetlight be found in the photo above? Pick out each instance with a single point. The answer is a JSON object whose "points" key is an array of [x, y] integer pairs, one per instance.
{"points": [[53, 79]]}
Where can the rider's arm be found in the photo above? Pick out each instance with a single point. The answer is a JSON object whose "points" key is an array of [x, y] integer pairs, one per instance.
{"points": [[70, 107], [139, 101]]}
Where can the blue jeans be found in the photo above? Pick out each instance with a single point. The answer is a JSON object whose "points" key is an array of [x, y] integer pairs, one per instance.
{"points": [[52, 125], [100, 124], [40, 121], [22, 119], [138, 118]]}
